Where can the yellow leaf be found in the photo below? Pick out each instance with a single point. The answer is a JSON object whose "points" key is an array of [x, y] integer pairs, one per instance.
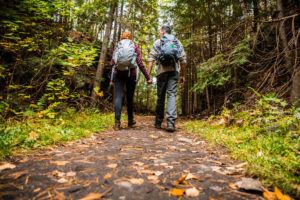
{"points": [[278, 193], [178, 192], [269, 195]]}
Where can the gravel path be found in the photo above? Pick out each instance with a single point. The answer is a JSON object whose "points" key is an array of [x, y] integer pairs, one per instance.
{"points": [[137, 163]]}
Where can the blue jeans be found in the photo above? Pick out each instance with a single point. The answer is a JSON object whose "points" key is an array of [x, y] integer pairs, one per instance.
{"points": [[167, 83], [120, 82]]}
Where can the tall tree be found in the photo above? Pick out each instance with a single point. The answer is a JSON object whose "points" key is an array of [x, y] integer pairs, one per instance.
{"points": [[103, 54]]}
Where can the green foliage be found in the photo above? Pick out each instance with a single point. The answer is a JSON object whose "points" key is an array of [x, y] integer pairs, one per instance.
{"points": [[213, 72], [217, 70], [35, 132], [267, 137]]}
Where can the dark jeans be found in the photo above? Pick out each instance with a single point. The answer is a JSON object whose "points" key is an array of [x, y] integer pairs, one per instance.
{"points": [[167, 83], [130, 82]]}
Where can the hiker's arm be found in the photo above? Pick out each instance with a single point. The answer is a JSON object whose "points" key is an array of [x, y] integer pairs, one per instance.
{"points": [[150, 67], [182, 63], [140, 63], [152, 56]]}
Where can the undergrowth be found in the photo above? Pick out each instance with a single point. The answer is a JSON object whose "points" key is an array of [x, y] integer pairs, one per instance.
{"points": [[266, 136], [35, 131]]}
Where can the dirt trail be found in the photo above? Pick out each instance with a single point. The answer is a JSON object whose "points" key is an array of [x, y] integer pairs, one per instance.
{"points": [[137, 163]]}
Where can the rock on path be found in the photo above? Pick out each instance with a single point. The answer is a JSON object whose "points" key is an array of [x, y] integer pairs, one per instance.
{"points": [[137, 163]]}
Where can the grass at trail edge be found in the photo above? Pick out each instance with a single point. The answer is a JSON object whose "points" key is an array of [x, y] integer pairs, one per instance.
{"points": [[35, 132], [272, 156]]}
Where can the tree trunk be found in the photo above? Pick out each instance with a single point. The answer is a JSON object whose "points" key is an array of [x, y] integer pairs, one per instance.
{"points": [[120, 21], [115, 27], [255, 13], [295, 94], [101, 64], [244, 10], [282, 35]]}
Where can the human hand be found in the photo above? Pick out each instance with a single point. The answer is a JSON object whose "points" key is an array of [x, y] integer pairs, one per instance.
{"points": [[150, 81]]}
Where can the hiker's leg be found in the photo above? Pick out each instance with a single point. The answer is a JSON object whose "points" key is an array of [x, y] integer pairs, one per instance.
{"points": [[171, 111], [161, 95], [119, 87], [130, 85]]}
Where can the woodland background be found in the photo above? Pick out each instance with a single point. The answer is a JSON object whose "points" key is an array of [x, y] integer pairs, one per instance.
{"points": [[56, 53], [242, 81]]}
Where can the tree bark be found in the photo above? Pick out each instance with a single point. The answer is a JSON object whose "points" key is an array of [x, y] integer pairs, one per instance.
{"points": [[282, 35], [101, 64], [120, 21], [295, 94], [115, 27]]}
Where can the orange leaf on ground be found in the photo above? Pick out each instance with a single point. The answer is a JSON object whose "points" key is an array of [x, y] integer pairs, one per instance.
{"points": [[92, 196], [107, 176], [233, 186], [178, 192], [269, 195]]}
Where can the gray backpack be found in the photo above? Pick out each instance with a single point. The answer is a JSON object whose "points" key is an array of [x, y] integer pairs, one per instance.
{"points": [[125, 56]]}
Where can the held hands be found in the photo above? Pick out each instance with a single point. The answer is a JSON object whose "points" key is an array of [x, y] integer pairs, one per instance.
{"points": [[150, 81], [182, 80]]}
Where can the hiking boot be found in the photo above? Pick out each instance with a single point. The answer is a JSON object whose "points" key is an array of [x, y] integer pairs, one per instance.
{"points": [[131, 123], [117, 125], [157, 125], [170, 127]]}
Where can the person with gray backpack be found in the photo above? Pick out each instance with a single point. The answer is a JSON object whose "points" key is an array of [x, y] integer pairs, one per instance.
{"points": [[170, 58], [126, 60]]}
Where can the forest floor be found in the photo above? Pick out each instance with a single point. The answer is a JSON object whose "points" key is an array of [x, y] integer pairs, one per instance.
{"points": [[136, 163]]}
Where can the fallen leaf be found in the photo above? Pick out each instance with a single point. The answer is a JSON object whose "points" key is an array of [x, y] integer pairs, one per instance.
{"points": [[191, 176], [269, 195], [26, 180], [58, 173], [158, 173], [181, 180], [60, 163], [112, 165], [249, 184], [33, 135], [178, 192], [154, 136], [192, 192], [92, 196], [71, 174], [244, 164], [278, 193], [107, 176], [6, 166], [62, 180], [280, 196], [233, 186], [136, 181]]}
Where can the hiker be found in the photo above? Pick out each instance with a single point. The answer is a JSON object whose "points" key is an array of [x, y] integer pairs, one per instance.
{"points": [[126, 58], [170, 58]]}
